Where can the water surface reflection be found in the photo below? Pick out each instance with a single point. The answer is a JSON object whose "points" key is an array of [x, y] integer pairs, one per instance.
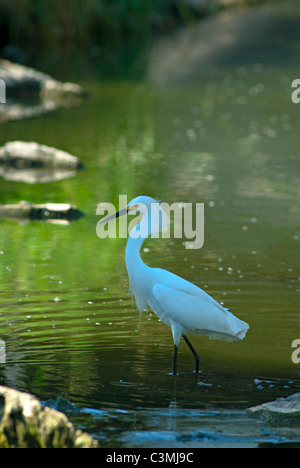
{"points": [[66, 316]]}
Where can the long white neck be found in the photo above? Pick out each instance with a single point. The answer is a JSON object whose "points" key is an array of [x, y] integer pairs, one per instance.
{"points": [[151, 223], [136, 268]]}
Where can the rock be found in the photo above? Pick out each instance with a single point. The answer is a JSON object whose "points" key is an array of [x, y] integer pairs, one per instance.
{"points": [[23, 154], [267, 35], [25, 81], [55, 213], [30, 93], [32, 162], [60, 403], [25, 423], [283, 409]]}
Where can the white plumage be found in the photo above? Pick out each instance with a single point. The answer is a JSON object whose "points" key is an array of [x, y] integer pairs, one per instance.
{"points": [[181, 305]]}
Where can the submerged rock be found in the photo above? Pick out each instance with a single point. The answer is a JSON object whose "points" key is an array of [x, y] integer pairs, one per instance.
{"points": [[25, 423], [35, 175], [55, 213], [282, 409]]}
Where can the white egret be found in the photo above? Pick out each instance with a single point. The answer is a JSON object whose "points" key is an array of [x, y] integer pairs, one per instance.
{"points": [[181, 305]]}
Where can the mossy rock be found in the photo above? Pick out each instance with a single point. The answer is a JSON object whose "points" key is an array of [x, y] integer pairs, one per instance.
{"points": [[25, 423]]}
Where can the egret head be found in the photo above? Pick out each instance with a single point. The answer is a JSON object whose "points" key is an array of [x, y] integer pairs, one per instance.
{"points": [[153, 218]]}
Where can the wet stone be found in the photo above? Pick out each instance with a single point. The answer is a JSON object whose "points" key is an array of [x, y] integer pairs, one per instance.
{"points": [[282, 409], [25, 423]]}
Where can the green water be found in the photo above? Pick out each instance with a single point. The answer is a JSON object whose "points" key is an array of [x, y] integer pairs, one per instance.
{"points": [[231, 142]]}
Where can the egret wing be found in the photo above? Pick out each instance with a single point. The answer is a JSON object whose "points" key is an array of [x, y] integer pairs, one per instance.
{"points": [[177, 283]]}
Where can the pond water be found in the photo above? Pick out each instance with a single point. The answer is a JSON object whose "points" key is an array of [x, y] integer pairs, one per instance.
{"points": [[231, 142]]}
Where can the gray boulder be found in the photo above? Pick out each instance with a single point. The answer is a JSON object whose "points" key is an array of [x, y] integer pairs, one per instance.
{"points": [[31, 162], [282, 409], [25, 81], [25, 423]]}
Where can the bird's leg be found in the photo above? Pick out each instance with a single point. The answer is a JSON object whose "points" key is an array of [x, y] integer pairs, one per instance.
{"points": [[175, 360], [193, 351]]}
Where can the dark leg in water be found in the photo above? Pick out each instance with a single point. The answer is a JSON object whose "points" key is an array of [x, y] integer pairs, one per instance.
{"points": [[193, 351], [175, 360]]}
